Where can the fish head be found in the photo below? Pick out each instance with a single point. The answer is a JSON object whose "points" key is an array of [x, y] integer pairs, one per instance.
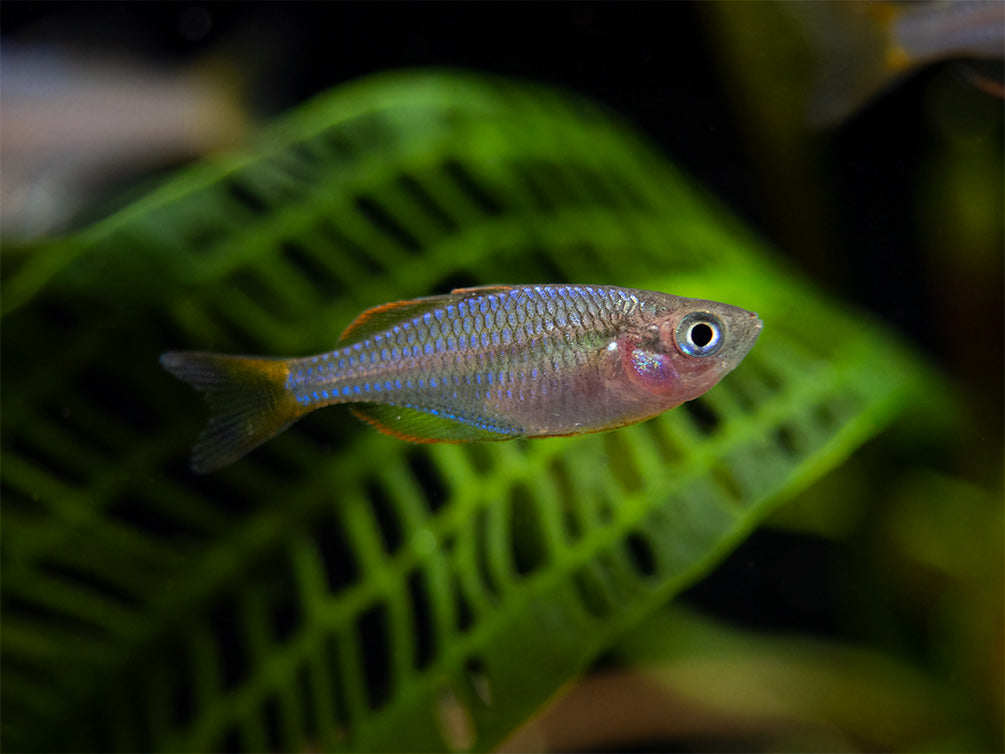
{"points": [[684, 347]]}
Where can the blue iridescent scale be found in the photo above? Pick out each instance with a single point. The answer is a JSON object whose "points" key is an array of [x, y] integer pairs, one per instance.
{"points": [[516, 344]]}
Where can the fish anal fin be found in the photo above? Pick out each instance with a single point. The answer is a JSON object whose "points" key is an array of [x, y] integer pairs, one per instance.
{"points": [[413, 425]]}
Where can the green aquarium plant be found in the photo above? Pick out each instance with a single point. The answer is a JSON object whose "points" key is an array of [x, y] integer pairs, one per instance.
{"points": [[339, 589]]}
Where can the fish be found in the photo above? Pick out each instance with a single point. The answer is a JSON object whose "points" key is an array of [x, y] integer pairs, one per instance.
{"points": [[866, 47], [78, 125], [488, 363]]}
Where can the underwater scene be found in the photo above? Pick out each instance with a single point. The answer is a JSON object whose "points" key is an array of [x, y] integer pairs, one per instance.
{"points": [[562, 377]]}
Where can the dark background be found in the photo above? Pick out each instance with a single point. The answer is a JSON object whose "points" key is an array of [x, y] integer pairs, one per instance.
{"points": [[661, 67]]}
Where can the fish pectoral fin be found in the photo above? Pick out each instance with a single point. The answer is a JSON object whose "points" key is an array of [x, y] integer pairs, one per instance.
{"points": [[413, 425]]}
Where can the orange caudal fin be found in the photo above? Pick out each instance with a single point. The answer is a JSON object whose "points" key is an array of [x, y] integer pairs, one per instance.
{"points": [[248, 401]]}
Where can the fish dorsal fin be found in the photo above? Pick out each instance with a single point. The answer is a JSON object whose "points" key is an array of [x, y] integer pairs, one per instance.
{"points": [[388, 315], [414, 425], [385, 316], [479, 290]]}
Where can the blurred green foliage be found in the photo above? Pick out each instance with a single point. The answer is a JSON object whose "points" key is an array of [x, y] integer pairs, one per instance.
{"points": [[341, 590]]}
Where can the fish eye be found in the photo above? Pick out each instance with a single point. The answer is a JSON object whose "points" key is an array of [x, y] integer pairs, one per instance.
{"points": [[699, 334]]}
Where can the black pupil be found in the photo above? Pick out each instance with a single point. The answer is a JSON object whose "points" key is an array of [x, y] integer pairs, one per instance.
{"points": [[701, 335]]}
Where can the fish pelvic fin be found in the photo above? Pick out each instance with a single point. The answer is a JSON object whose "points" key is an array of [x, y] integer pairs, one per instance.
{"points": [[248, 399]]}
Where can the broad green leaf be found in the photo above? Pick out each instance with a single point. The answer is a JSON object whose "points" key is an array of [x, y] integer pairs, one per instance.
{"points": [[338, 589]]}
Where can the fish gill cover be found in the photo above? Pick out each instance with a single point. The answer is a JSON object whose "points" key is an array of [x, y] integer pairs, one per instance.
{"points": [[339, 589]]}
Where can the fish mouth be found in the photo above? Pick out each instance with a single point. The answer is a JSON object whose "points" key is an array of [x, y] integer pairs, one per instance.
{"points": [[753, 322], [752, 329]]}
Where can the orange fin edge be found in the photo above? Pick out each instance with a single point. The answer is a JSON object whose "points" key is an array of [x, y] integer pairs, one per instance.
{"points": [[386, 315], [416, 425], [481, 289], [378, 425], [375, 313]]}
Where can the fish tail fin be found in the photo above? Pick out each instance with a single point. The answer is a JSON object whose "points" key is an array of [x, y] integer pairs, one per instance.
{"points": [[248, 399], [858, 54]]}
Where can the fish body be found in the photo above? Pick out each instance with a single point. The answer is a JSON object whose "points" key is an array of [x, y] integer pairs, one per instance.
{"points": [[492, 363]]}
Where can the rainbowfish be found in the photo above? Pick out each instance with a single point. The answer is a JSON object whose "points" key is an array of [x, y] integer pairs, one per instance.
{"points": [[77, 122], [490, 363], [865, 47]]}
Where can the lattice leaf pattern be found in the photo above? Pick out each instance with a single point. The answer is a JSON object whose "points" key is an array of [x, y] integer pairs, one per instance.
{"points": [[338, 589]]}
